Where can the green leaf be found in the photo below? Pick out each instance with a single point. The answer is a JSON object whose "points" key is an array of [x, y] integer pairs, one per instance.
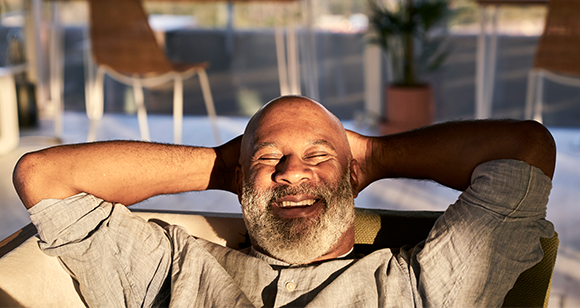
{"points": [[413, 23]]}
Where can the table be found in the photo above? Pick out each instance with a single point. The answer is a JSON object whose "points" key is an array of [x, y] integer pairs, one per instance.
{"points": [[486, 56]]}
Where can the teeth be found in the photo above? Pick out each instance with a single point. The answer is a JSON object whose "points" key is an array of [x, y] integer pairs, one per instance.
{"points": [[308, 202]]}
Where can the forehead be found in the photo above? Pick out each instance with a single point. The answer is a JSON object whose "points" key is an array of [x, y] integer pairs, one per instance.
{"points": [[294, 122]]}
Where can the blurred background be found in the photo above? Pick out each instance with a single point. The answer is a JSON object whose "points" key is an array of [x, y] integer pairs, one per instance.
{"points": [[237, 39], [45, 50]]}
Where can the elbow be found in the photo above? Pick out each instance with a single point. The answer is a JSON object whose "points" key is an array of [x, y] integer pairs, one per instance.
{"points": [[26, 178], [538, 148]]}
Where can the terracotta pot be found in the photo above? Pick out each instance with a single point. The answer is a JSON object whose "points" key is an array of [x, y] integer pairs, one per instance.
{"points": [[407, 108]]}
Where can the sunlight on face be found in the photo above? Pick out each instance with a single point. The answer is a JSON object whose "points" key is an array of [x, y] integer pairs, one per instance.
{"points": [[298, 240]]}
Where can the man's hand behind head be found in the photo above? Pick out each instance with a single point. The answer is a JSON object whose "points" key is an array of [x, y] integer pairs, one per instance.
{"points": [[361, 149], [223, 175]]}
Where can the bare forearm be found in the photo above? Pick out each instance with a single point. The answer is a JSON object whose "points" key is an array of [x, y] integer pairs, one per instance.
{"points": [[117, 171], [448, 153]]}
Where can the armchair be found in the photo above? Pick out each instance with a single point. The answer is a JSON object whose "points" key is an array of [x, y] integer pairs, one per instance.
{"points": [[29, 278]]}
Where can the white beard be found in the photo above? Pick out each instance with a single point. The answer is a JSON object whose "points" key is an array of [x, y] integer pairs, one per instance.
{"points": [[298, 240]]}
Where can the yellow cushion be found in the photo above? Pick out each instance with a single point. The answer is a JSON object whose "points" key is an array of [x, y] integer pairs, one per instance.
{"points": [[376, 229], [532, 289]]}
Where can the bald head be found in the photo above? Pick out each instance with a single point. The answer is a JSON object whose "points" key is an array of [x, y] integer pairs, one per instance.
{"points": [[299, 116]]}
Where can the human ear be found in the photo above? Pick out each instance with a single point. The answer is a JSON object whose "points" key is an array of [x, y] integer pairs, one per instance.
{"points": [[239, 182], [354, 169]]}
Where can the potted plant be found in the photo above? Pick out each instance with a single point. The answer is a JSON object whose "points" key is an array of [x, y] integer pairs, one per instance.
{"points": [[411, 33]]}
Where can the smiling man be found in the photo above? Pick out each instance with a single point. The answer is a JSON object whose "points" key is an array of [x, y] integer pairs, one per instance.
{"points": [[296, 171], [296, 182]]}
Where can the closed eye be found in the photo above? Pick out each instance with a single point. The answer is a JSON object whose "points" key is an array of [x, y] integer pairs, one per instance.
{"points": [[318, 157], [269, 158]]}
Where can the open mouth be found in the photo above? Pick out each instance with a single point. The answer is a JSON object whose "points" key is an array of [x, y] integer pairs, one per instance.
{"points": [[297, 206], [289, 204]]}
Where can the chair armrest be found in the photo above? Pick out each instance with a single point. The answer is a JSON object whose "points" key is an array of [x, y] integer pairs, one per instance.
{"points": [[16, 239], [30, 278]]}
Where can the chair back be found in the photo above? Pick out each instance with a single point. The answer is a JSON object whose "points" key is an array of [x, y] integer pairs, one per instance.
{"points": [[377, 229], [21, 259], [558, 46], [122, 39]]}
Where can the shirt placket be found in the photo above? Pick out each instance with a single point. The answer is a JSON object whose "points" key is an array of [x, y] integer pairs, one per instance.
{"points": [[289, 287]]}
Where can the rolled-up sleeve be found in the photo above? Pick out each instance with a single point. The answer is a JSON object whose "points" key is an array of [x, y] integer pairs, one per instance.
{"points": [[484, 241], [116, 256]]}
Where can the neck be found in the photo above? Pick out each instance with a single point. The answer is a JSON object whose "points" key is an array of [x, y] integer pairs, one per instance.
{"points": [[342, 247]]}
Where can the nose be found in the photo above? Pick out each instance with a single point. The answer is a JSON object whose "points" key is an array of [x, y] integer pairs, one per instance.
{"points": [[291, 170]]}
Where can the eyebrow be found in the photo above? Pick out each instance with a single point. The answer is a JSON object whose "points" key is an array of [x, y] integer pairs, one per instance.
{"points": [[262, 145], [322, 142]]}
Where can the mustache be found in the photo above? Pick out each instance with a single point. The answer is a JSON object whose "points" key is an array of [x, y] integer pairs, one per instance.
{"points": [[319, 192]]}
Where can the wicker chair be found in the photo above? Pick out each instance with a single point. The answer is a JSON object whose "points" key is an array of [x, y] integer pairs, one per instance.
{"points": [[125, 48], [30, 278], [556, 55]]}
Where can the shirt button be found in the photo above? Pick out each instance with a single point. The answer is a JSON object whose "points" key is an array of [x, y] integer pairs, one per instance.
{"points": [[290, 286]]}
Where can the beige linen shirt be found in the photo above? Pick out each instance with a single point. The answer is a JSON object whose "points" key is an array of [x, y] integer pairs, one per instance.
{"points": [[471, 258]]}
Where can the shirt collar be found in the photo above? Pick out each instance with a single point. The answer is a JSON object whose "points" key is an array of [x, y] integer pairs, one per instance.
{"points": [[274, 261]]}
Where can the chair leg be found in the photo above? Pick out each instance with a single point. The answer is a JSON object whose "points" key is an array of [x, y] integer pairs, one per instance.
{"points": [[177, 109], [95, 104], [529, 109], [539, 97], [93, 128], [281, 58], [209, 105], [293, 61], [141, 112]]}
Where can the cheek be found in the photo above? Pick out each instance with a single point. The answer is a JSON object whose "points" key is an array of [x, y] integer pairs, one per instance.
{"points": [[261, 178], [253, 203], [329, 173]]}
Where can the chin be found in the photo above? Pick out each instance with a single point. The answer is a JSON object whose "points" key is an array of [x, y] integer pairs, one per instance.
{"points": [[299, 240]]}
